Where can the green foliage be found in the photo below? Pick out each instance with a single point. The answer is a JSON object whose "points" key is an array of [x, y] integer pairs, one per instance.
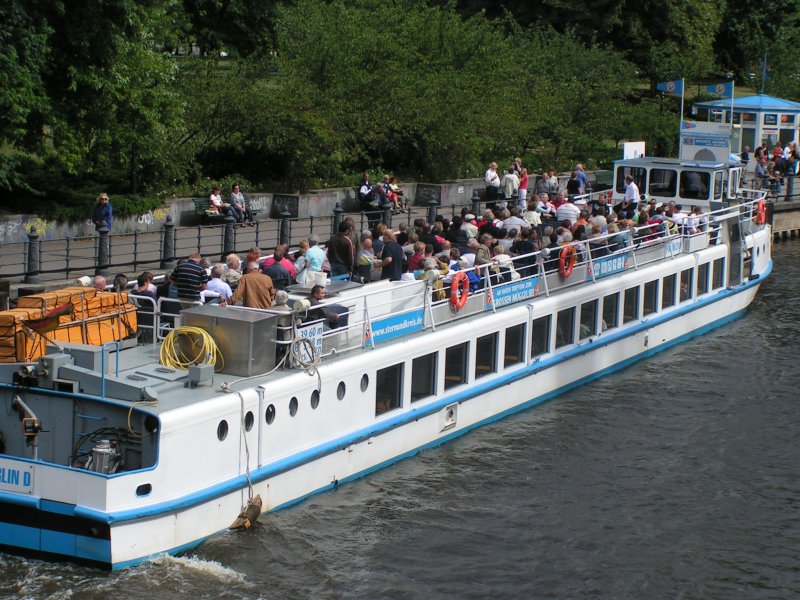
{"points": [[109, 96]]}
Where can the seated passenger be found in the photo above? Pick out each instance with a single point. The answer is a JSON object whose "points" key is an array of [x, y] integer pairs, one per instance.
{"points": [[335, 315]]}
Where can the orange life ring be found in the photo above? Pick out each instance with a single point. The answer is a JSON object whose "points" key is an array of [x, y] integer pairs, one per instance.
{"points": [[459, 290], [761, 213], [566, 261]]}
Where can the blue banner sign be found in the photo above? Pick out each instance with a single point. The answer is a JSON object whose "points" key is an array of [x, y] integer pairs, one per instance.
{"points": [[603, 267], [397, 325], [511, 292]]}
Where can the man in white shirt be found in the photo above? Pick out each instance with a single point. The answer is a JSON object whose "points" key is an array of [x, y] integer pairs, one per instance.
{"points": [[568, 212], [628, 208], [492, 180]]}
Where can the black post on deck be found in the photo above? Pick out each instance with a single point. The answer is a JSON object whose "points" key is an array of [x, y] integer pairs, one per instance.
{"points": [[337, 217], [229, 239], [168, 247], [476, 202], [514, 200], [789, 187], [284, 232], [103, 252], [32, 272]]}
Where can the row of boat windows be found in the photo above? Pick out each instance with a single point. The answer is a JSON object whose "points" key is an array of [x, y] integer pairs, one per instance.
{"points": [[668, 183], [547, 333]]}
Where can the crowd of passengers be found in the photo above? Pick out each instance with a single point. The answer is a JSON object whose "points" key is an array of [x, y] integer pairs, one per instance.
{"points": [[499, 243]]}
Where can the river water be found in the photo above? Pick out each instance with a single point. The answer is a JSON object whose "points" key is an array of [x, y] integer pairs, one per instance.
{"points": [[676, 478]]}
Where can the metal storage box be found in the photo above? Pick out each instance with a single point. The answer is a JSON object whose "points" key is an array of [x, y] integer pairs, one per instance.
{"points": [[246, 338]]}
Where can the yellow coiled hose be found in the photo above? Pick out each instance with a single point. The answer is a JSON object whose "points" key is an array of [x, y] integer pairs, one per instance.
{"points": [[187, 346]]}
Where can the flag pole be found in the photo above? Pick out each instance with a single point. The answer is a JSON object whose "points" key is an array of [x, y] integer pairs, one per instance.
{"points": [[733, 88], [680, 121]]}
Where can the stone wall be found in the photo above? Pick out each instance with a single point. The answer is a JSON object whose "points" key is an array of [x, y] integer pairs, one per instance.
{"points": [[315, 203]]}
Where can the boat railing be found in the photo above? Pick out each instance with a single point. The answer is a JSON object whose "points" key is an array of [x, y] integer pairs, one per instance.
{"points": [[376, 313]]}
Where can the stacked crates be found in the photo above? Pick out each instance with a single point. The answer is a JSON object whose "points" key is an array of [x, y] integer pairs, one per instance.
{"points": [[97, 318]]}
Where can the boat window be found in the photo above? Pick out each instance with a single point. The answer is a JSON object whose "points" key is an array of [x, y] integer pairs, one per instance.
{"points": [[540, 336], [249, 420], [455, 365], [702, 279], [639, 177], [650, 297], [269, 415], [222, 430], [687, 288], [388, 388], [293, 407], [588, 319], [423, 376], [515, 345], [719, 273], [486, 355], [610, 311], [668, 291], [663, 182], [695, 184], [340, 390], [315, 398], [565, 327], [630, 310], [718, 185]]}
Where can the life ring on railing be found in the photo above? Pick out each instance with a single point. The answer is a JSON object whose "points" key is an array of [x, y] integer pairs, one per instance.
{"points": [[459, 290], [566, 261], [761, 212]]}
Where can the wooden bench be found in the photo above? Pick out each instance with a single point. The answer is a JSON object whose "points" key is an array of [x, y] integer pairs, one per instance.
{"points": [[201, 210]]}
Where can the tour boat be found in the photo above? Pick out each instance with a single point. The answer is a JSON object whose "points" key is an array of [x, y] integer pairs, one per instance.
{"points": [[124, 446]]}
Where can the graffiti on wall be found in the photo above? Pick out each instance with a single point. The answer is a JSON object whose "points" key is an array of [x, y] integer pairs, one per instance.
{"points": [[154, 216]]}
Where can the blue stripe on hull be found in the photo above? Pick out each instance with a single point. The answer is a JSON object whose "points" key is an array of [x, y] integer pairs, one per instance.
{"points": [[56, 543]]}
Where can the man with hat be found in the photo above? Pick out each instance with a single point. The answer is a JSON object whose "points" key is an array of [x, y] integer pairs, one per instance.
{"points": [[469, 225]]}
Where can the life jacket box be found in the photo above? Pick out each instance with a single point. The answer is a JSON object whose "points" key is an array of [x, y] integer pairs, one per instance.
{"points": [[16, 343], [245, 338]]}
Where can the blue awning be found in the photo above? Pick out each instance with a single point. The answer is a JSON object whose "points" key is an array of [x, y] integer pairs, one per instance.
{"points": [[760, 104]]}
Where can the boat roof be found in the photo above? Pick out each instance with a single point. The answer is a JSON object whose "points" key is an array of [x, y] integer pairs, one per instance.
{"points": [[651, 161]]}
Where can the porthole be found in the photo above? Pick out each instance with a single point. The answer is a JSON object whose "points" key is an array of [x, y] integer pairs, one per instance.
{"points": [[340, 389], [293, 407], [270, 414], [249, 419], [315, 399], [364, 382], [150, 424], [222, 430], [144, 489]]}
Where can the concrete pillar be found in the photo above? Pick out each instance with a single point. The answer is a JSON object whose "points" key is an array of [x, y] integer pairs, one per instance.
{"points": [[229, 239], [433, 206], [284, 233], [32, 272], [168, 245], [103, 252], [337, 217], [476, 203], [386, 212]]}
